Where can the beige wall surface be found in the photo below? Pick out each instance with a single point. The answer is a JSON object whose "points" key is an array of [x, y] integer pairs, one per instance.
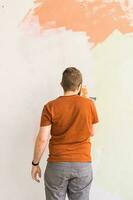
{"points": [[31, 64]]}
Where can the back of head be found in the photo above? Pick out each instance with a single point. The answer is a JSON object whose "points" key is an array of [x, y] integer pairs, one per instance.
{"points": [[71, 79]]}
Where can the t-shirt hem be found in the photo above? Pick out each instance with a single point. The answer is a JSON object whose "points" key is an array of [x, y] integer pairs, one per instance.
{"points": [[69, 160]]}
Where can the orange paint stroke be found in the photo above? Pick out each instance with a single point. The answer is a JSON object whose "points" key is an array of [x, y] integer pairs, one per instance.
{"points": [[97, 18]]}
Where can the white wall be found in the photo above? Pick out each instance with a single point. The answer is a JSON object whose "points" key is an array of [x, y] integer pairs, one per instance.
{"points": [[30, 72]]}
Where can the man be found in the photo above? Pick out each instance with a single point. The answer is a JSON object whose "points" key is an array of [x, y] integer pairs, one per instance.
{"points": [[70, 120]]}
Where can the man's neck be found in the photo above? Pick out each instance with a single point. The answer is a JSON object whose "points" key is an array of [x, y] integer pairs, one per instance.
{"points": [[70, 93]]}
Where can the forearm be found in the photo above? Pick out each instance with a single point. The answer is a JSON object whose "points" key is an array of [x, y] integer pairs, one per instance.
{"points": [[39, 149]]}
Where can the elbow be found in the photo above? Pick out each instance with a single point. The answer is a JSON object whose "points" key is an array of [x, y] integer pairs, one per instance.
{"points": [[92, 133], [41, 140]]}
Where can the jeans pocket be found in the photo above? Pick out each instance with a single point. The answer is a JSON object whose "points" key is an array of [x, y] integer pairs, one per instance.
{"points": [[53, 177], [86, 171]]}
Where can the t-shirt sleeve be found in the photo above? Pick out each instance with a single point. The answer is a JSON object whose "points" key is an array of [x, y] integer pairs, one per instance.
{"points": [[46, 116], [95, 117]]}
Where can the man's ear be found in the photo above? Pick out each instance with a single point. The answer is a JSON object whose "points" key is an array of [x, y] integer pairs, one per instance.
{"points": [[79, 89], [80, 86]]}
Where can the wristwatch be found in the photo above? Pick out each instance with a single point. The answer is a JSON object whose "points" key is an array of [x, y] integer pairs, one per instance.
{"points": [[35, 164]]}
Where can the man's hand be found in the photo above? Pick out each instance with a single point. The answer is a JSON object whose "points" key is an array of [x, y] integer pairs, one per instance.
{"points": [[84, 92], [36, 171]]}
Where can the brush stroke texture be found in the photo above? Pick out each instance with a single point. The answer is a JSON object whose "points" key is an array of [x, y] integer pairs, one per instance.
{"points": [[97, 18]]}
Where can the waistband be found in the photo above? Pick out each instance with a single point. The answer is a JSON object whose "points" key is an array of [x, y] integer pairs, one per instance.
{"points": [[67, 164]]}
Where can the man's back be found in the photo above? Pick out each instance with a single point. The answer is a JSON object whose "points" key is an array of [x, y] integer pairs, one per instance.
{"points": [[70, 120], [71, 117]]}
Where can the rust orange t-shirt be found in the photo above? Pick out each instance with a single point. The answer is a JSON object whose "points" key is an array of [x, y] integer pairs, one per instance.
{"points": [[71, 118]]}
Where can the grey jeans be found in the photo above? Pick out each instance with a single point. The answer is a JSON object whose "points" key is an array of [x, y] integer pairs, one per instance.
{"points": [[71, 178]]}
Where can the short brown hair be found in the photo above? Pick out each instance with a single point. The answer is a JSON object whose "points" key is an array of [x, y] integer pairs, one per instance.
{"points": [[71, 79]]}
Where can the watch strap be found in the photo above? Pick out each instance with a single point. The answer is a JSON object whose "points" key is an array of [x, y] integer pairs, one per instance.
{"points": [[35, 164]]}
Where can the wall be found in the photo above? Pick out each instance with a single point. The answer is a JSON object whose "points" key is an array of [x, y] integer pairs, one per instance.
{"points": [[37, 43]]}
